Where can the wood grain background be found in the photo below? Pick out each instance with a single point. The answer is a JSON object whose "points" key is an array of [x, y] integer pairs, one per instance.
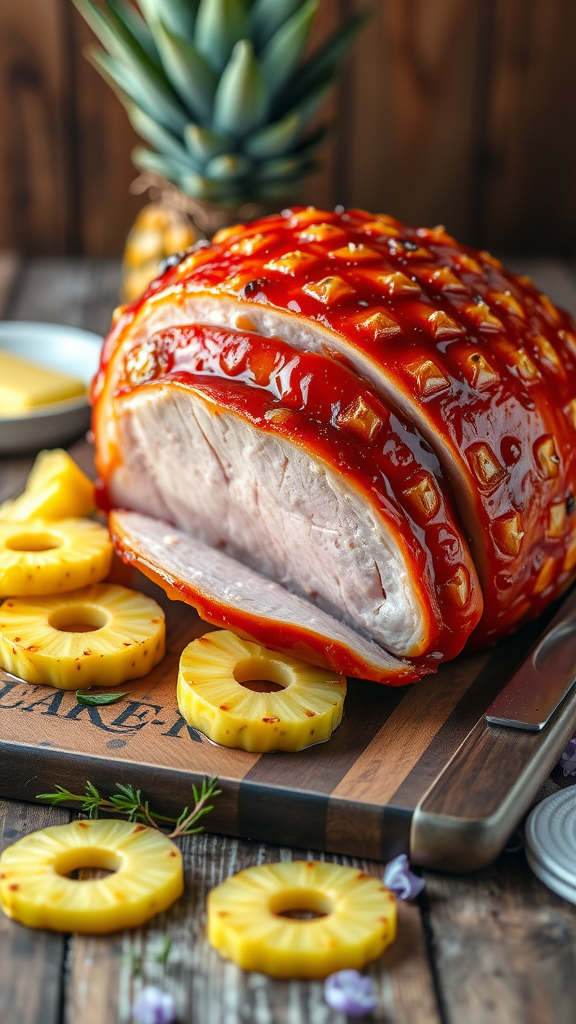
{"points": [[460, 111]]}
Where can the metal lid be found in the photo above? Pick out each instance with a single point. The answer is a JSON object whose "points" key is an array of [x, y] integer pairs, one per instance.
{"points": [[551, 841], [554, 883]]}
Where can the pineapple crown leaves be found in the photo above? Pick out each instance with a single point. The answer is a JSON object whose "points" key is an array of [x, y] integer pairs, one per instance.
{"points": [[128, 801], [219, 89]]}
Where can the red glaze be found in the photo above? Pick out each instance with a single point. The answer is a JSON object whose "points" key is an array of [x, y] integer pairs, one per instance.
{"points": [[324, 408], [483, 364]]}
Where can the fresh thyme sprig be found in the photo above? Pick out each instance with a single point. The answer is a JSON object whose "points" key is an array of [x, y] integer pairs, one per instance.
{"points": [[136, 960], [129, 801]]}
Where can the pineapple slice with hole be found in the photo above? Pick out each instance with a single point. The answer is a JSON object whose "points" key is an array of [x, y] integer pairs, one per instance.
{"points": [[355, 918], [240, 694], [56, 488], [43, 556], [97, 636], [147, 876]]}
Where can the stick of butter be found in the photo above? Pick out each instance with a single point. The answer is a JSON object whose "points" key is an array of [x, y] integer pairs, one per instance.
{"points": [[24, 385]]}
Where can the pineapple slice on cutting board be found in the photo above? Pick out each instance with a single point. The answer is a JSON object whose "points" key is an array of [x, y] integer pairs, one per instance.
{"points": [[356, 918], [96, 636], [241, 694], [35, 890]]}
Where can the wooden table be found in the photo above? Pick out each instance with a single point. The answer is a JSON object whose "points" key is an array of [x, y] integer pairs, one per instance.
{"points": [[494, 947]]}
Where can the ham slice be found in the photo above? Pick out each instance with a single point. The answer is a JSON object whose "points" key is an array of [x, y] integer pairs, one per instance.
{"points": [[232, 596]]}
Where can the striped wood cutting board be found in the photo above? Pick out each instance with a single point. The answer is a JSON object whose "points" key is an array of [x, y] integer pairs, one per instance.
{"points": [[413, 769]]}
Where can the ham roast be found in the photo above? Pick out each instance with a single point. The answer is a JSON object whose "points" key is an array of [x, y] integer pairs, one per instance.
{"points": [[344, 438]]}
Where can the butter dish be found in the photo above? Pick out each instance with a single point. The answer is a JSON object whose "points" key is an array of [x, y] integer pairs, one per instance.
{"points": [[62, 349]]}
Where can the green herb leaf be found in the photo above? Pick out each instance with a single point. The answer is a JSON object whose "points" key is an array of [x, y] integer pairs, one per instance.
{"points": [[164, 951], [129, 801], [136, 965], [59, 796], [99, 699]]}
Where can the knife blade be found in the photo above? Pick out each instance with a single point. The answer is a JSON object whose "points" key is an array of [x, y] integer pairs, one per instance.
{"points": [[543, 679]]}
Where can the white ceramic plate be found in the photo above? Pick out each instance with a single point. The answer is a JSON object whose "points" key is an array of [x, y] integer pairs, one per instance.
{"points": [[68, 349]]}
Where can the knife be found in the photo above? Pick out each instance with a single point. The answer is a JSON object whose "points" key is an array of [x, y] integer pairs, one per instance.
{"points": [[544, 677]]}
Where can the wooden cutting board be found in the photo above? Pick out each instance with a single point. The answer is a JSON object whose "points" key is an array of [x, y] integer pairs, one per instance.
{"points": [[413, 769]]}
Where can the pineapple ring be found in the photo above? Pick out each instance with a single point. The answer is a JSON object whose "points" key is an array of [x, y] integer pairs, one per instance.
{"points": [[44, 557], [245, 923], [147, 877], [305, 709], [97, 636]]}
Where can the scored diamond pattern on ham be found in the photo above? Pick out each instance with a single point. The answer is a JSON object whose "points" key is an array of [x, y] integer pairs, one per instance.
{"points": [[376, 418]]}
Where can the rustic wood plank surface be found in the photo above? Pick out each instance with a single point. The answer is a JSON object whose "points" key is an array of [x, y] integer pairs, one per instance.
{"points": [[461, 111], [27, 954], [37, 176], [523, 132], [412, 108], [9, 265], [505, 946], [494, 947], [103, 144]]}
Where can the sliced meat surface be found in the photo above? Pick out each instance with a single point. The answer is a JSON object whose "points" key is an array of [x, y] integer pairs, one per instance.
{"points": [[274, 507], [233, 596], [292, 465]]}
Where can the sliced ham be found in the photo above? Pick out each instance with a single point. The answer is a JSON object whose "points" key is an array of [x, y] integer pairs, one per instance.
{"points": [[302, 473], [475, 365], [229, 594]]}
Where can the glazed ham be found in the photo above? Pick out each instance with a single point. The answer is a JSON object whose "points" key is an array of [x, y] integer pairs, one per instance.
{"points": [[379, 421]]}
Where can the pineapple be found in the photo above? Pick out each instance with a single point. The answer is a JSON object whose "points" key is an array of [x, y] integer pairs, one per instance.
{"points": [[147, 876], [98, 636], [246, 925], [56, 488], [240, 694], [42, 556], [159, 230], [222, 94]]}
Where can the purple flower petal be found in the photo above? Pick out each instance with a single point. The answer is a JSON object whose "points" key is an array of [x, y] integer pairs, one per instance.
{"points": [[398, 877], [153, 1006], [351, 992], [568, 758]]}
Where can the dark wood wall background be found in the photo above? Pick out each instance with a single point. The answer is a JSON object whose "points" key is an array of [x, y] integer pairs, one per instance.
{"points": [[459, 111]]}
